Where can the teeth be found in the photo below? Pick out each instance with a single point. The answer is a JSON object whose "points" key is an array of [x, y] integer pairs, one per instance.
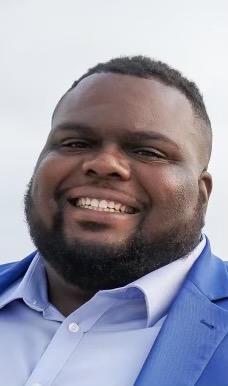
{"points": [[123, 208], [117, 206], [103, 205], [95, 203]]}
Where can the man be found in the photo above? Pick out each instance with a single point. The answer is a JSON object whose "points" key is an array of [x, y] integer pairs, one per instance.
{"points": [[123, 289]]}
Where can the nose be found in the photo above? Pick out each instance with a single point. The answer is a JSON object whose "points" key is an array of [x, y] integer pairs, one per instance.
{"points": [[107, 163]]}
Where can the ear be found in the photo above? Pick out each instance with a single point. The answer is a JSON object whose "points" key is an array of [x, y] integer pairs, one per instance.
{"points": [[205, 187]]}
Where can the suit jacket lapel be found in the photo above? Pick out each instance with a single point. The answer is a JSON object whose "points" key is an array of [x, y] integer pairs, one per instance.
{"points": [[193, 329]]}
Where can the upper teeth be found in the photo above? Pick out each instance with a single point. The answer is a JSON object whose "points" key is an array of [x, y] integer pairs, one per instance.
{"points": [[103, 204]]}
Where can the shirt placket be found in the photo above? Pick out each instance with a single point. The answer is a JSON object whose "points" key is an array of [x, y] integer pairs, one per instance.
{"points": [[64, 342]]}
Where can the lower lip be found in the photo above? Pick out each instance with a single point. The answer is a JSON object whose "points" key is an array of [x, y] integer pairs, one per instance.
{"points": [[85, 214]]}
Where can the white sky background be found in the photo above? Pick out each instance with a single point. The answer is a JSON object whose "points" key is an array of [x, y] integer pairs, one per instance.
{"points": [[46, 44]]}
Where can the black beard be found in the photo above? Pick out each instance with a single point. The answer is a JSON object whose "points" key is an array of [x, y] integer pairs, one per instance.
{"points": [[94, 267]]}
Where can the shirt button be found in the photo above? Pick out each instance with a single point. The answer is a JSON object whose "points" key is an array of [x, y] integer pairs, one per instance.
{"points": [[73, 327]]}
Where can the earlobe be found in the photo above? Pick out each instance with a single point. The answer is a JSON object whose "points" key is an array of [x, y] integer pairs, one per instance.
{"points": [[205, 186]]}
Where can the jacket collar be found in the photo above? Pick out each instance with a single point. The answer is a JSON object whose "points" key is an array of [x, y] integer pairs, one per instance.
{"points": [[209, 275], [9, 273], [193, 329]]}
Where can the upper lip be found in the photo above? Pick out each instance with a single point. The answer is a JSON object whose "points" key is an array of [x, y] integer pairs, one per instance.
{"points": [[105, 194]]}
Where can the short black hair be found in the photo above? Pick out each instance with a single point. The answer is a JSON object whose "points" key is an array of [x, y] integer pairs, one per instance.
{"points": [[145, 67]]}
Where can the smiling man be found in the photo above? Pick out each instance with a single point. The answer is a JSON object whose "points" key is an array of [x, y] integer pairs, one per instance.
{"points": [[123, 289]]}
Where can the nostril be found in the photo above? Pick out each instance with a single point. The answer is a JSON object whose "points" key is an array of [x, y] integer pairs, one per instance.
{"points": [[106, 166], [91, 172], [102, 173]]}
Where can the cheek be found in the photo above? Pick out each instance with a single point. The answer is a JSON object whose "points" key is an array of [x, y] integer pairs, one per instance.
{"points": [[45, 176], [172, 191], [48, 177], [52, 170]]}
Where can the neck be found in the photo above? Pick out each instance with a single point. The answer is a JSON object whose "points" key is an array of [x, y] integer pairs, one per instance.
{"points": [[65, 297]]}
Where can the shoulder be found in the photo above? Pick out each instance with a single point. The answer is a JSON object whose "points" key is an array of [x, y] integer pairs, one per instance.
{"points": [[5, 267], [18, 264], [223, 262], [10, 272]]}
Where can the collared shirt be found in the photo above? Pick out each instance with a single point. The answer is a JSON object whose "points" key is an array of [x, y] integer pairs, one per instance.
{"points": [[103, 343]]}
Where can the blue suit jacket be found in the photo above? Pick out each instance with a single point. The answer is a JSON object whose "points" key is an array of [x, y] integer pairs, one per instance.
{"points": [[192, 346]]}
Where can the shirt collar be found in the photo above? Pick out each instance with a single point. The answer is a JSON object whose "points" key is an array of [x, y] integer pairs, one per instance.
{"points": [[159, 288]]}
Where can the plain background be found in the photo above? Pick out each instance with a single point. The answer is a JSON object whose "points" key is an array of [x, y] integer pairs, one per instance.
{"points": [[47, 44]]}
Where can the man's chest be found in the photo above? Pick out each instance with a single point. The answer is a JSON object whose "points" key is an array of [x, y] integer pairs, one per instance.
{"points": [[34, 350]]}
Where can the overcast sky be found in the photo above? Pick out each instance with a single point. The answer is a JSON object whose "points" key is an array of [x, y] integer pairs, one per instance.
{"points": [[47, 44]]}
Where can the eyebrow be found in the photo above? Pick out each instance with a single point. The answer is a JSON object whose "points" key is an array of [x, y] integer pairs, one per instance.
{"points": [[137, 135], [79, 128]]}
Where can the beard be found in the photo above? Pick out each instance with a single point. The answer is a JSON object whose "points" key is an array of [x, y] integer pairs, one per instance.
{"points": [[94, 267]]}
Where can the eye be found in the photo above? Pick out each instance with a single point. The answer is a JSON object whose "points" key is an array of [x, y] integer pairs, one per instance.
{"points": [[148, 154], [74, 144]]}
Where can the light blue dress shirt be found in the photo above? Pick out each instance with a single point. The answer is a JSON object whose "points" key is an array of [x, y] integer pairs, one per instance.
{"points": [[108, 338]]}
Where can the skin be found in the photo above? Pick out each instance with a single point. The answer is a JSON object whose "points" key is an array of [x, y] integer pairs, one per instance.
{"points": [[132, 137]]}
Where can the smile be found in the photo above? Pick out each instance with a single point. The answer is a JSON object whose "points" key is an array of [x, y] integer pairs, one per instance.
{"points": [[102, 205]]}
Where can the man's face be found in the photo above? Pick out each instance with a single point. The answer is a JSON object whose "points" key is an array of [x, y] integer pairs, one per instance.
{"points": [[122, 159]]}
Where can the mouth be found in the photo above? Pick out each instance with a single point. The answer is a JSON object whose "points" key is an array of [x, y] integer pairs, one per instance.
{"points": [[102, 205]]}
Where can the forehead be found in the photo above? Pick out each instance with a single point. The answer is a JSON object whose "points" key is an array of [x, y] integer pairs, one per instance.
{"points": [[126, 102]]}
